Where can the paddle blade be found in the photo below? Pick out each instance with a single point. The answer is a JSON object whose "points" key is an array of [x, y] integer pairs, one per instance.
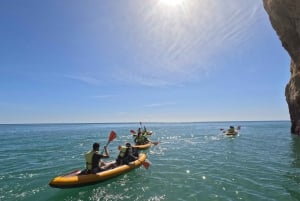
{"points": [[155, 143], [221, 129], [132, 131], [112, 136], [146, 164]]}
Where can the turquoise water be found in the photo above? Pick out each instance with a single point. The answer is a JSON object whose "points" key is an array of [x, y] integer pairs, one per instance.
{"points": [[193, 161]]}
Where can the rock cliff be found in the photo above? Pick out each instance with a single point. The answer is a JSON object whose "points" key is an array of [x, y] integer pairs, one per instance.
{"points": [[285, 19]]}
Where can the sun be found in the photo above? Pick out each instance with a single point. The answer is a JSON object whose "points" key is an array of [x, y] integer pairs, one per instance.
{"points": [[172, 2]]}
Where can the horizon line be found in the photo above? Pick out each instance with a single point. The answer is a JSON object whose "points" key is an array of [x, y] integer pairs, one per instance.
{"points": [[149, 122]]}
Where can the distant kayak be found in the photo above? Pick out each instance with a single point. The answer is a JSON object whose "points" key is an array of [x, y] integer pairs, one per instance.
{"points": [[232, 133], [78, 178]]}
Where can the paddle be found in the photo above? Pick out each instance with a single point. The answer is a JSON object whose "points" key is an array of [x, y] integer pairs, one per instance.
{"points": [[111, 137], [133, 132], [146, 164], [155, 143], [145, 131]]}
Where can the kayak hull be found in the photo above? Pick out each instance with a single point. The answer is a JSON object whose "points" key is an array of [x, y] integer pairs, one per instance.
{"points": [[143, 146], [75, 179], [231, 134]]}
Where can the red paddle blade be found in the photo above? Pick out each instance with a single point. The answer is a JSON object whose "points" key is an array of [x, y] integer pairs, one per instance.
{"points": [[132, 131], [146, 164], [155, 143], [112, 136]]}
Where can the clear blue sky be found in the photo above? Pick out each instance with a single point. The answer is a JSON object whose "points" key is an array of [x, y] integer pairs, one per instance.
{"points": [[140, 60]]}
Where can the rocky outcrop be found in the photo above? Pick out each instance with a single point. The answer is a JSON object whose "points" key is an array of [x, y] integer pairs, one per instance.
{"points": [[285, 19]]}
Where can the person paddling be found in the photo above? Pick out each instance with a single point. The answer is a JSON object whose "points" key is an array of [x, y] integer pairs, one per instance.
{"points": [[126, 155], [93, 160], [231, 130], [141, 138]]}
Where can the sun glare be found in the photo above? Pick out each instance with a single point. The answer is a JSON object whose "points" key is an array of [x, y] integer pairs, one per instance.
{"points": [[172, 2]]}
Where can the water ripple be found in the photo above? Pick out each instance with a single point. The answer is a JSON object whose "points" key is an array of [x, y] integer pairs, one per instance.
{"points": [[191, 162]]}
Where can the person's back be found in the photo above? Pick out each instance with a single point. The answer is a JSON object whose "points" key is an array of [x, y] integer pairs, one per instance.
{"points": [[89, 160], [93, 157], [141, 139], [126, 154]]}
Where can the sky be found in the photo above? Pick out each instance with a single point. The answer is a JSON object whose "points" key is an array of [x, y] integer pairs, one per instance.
{"points": [[98, 61]]}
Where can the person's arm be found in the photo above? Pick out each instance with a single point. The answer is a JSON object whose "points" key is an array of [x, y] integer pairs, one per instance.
{"points": [[106, 155], [130, 154]]}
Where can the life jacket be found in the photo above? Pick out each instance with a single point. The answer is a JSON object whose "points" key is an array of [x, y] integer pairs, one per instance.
{"points": [[89, 159], [140, 139], [123, 151], [126, 155]]}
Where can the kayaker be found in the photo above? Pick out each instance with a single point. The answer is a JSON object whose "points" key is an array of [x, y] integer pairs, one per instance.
{"points": [[231, 130], [93, 160], [141, 138], [126, 155]]}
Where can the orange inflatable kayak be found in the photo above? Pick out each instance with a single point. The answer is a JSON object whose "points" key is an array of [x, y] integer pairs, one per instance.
{"points": [[79, 178]]}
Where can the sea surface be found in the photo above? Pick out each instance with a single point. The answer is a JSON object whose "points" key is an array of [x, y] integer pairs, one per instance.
{"points": [[193, 161]]}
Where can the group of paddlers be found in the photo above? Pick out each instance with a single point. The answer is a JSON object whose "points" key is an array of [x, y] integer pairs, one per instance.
{"points": [[127, 153]]}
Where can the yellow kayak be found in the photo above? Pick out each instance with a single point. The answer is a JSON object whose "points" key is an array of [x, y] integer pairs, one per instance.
{"points": [[231, 133], [78, 178]]}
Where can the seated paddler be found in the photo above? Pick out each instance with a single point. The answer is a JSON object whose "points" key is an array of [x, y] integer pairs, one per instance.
{"points": [[127, 154], [231, 130], [93, 160]]}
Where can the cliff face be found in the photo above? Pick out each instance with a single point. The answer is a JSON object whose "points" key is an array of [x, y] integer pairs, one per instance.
{"points": [[285, 19]]}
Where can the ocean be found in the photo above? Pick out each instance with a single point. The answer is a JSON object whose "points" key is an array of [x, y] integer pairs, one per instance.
{"points": [[192, 161]]}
